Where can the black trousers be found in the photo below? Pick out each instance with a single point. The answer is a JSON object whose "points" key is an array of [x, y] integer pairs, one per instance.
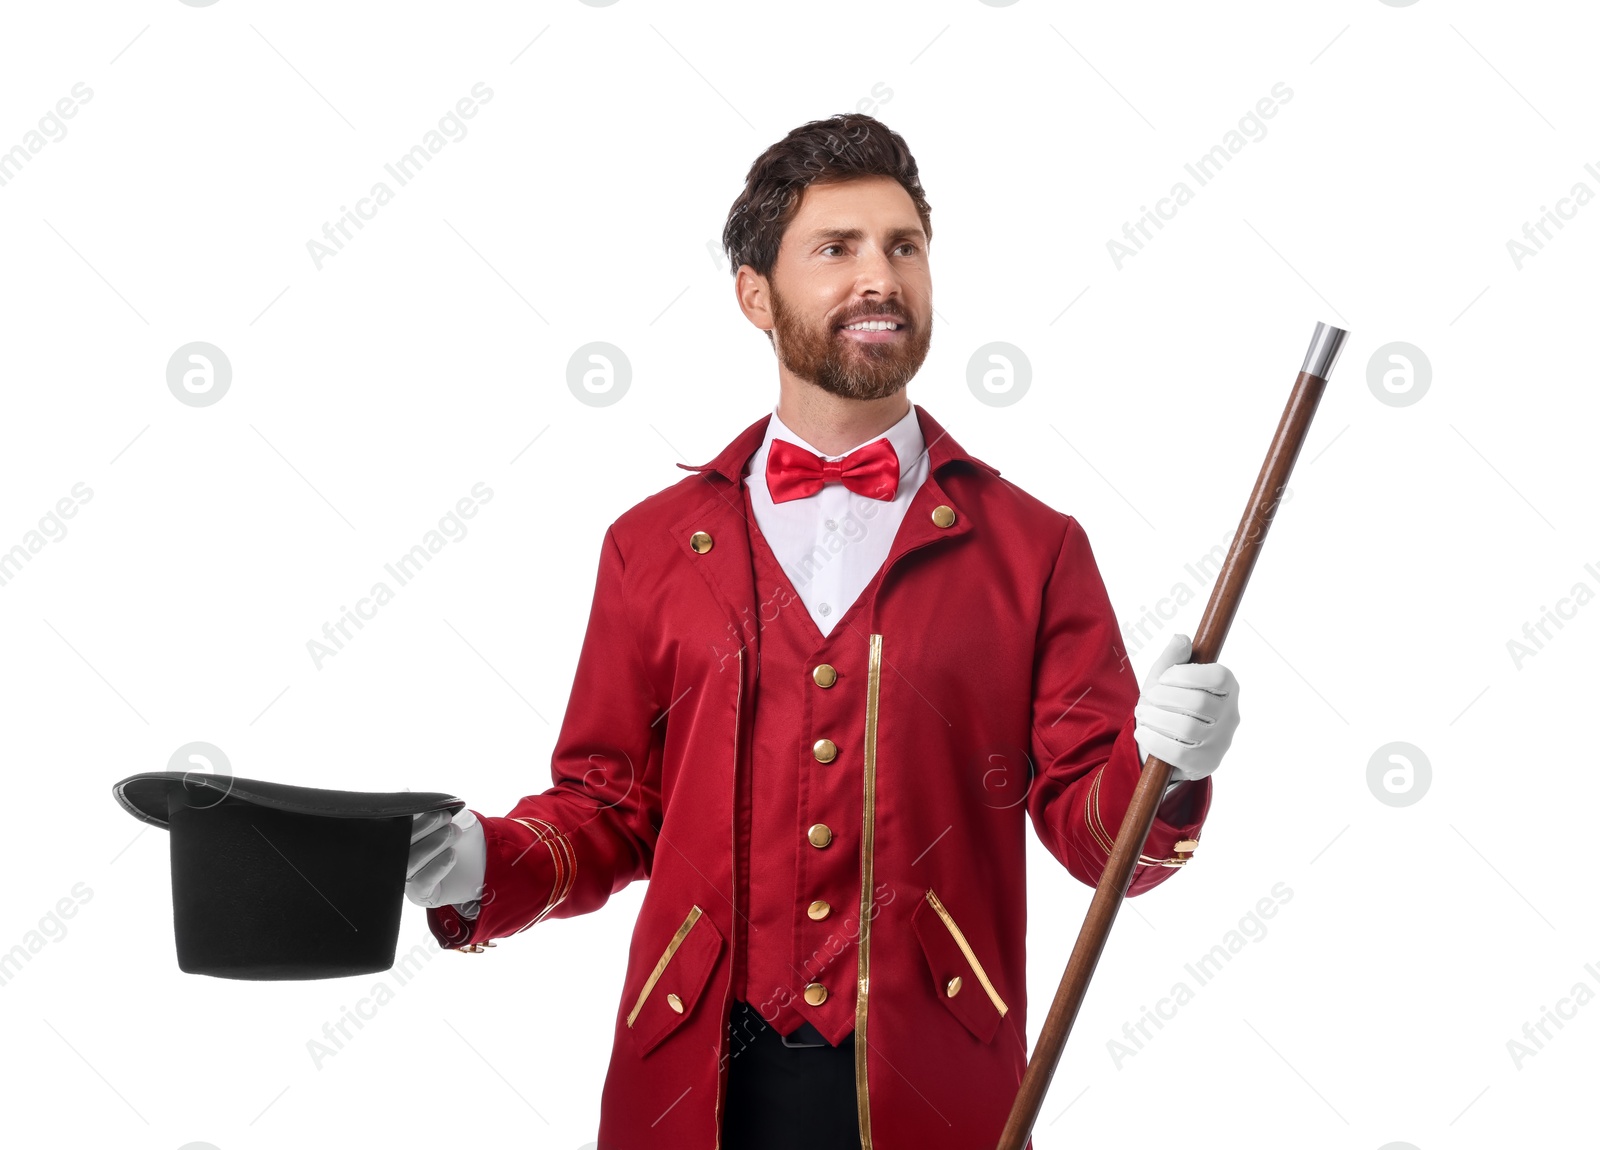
{"points": [[784, 1097]]}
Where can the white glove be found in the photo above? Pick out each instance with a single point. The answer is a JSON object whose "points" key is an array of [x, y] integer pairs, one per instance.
{"points": [[1187, 713], [448, 859]]}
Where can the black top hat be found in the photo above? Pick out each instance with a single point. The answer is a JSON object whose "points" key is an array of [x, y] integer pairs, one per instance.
{"points": [[272, 881]]}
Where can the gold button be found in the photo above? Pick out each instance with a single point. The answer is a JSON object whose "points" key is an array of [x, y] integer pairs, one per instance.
{"points": [[819, 909], [677, 1003], [953, 987], [942, 517], [820, 835], [701, 542], [824, 675], [1185, 845], [816, 993], [825, 750]]}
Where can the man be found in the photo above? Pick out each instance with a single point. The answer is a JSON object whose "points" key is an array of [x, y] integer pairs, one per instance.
{"points": [[827, 681]]}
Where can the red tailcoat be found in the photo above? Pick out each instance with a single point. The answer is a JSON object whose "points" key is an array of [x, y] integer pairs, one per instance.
{"points": [[981, 684]]}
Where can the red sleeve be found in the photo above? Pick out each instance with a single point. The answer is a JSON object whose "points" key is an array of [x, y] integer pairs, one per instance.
{"points": [[565, 851], [1085, 758]]}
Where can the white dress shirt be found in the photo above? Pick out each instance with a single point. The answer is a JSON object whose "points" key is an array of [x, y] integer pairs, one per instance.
{"points": [[833, 542]]}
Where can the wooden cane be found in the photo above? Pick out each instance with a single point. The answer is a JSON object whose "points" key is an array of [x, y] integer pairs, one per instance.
{"points": [[1326, 343]]}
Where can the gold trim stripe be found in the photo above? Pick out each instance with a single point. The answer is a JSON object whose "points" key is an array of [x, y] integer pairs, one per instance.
{"points": [[566, 861], [733, 853], [1091, 813], [561, 854], [972, 959], [661, 963], [571, 858], [1097, 827], [869, 772]]}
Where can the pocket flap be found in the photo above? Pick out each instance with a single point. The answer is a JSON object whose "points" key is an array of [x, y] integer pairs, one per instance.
{"points": [[669, 991], [946, 950]]}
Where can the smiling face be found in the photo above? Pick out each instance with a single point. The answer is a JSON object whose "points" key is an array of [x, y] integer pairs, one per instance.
{"points": [[855, 253]]}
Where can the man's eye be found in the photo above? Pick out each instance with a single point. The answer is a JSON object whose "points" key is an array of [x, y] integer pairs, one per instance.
{"points": [[909, 246]]}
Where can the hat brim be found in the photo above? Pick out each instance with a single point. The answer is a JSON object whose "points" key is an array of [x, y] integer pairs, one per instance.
{"points": [[144, 796]]}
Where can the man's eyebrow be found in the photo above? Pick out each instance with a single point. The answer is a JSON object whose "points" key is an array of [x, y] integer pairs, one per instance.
{"points": [[857, 234]]}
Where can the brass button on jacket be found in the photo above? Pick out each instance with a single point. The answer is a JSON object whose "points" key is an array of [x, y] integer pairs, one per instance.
{"points": [[675, 1002], [943, 516], [816, 993], [824, 675], [824, 750], [701, 542], [819, 835], [818, 910], [952, 987]]}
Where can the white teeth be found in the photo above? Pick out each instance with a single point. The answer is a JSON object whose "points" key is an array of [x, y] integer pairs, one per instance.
{"points": [[871, 325]]}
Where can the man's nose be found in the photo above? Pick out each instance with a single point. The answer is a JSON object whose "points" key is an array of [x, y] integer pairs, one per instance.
{"points": [[875, 271]]}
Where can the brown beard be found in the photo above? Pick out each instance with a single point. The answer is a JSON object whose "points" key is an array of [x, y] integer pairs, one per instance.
{"points": [[819, 355]]}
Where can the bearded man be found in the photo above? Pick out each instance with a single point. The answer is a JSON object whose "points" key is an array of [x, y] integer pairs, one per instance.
{"points": [[828, 681]]}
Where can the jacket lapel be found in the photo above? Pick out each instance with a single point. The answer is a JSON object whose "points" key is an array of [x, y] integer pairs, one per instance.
{"points": [[920, 526], [720, 515]]}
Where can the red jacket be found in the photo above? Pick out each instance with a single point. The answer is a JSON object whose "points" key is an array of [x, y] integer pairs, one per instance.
{"points": [[985, 686]]}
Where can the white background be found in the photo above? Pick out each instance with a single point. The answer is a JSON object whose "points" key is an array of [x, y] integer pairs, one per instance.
{"points": [[369, 395]]}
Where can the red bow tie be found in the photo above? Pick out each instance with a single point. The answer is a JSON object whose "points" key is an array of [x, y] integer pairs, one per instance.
{"points": [[793, 472]]}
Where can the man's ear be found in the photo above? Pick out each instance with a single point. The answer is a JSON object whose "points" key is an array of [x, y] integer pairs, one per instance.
{"points": [[753, 292]]}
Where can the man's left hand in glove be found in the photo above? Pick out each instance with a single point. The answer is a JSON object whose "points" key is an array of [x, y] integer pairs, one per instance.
{"points": [[1187, 713]]}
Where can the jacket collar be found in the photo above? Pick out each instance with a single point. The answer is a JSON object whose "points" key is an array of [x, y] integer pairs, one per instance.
{"points": [[941, 447]]}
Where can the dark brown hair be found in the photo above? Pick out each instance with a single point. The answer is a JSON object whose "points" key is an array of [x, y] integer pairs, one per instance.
{"points": [[843, 147]]}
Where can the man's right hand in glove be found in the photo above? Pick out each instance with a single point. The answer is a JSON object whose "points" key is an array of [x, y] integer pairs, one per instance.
{"points": [[447, 862]]}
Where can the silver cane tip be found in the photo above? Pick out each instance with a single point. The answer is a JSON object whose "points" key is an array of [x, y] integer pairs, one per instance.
{"points": [[1326, 343]]}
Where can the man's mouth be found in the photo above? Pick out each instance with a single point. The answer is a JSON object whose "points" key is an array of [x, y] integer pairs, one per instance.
{"points": [[873, 330]]}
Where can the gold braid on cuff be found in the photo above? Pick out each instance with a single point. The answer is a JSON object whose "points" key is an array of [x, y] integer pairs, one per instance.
{"points": [[562, 856], [1182, 849]]}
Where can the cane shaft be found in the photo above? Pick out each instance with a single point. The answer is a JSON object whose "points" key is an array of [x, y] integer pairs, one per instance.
{"points": [[1252, 532], [1155, 774]]}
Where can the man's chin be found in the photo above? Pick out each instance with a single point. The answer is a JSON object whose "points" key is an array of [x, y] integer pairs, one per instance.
{"points": [[865, 390]]}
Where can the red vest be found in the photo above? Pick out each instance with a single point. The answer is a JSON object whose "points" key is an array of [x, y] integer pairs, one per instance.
{"points": [[795, 959]]}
